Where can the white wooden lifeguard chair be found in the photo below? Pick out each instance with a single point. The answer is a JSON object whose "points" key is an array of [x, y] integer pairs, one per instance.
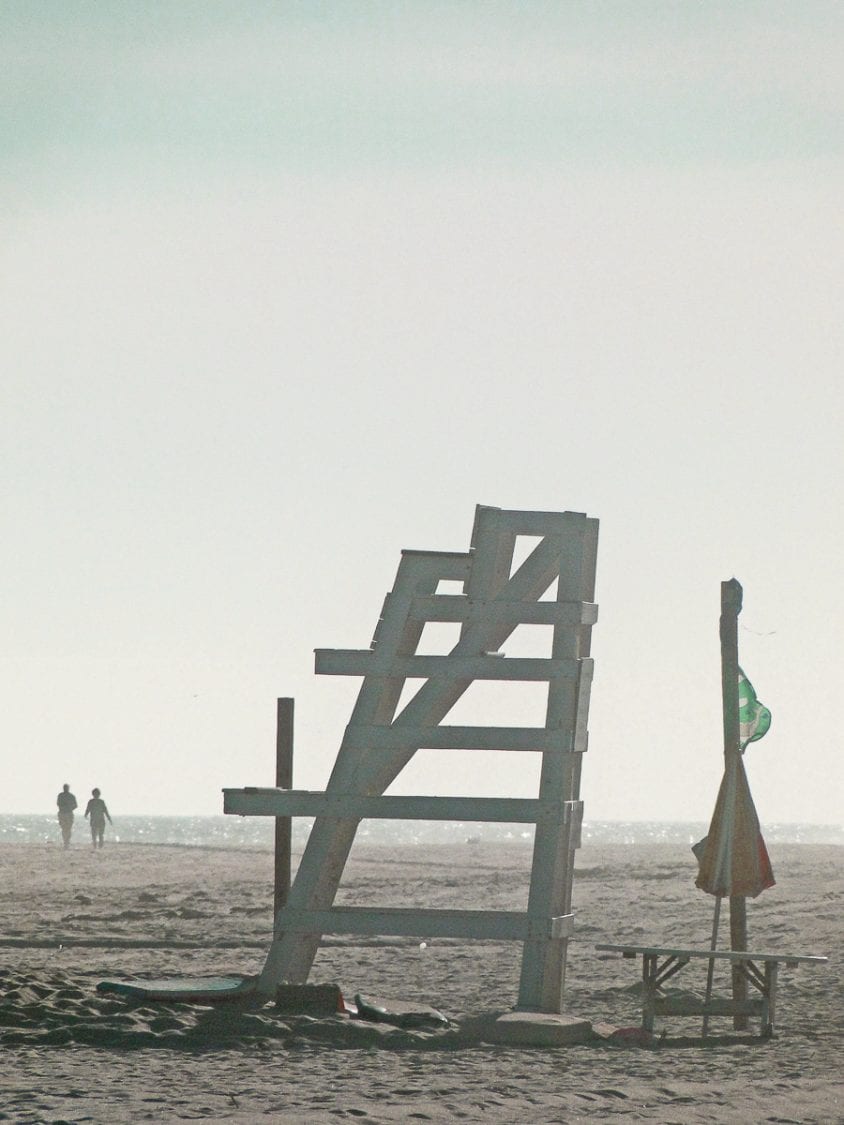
{"points": [[379, 742]]}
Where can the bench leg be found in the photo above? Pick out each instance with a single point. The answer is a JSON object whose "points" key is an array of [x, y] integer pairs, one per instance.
{"points": [[769, 1001], [649, 987]]}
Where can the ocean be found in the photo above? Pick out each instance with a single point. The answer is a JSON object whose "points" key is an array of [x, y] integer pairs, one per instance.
{"points": [[256, 833]]}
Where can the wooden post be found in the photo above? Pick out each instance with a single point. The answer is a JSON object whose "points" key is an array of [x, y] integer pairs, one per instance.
{"points": [[283, 780], [731, 599]]}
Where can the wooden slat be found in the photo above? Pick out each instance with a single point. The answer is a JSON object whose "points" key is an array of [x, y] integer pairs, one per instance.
{"points": [[584, 693], [502, 925], [533, 523], [542, 978], [459, 607], [301, 802], [452, 566], [370, 737], [715, 954], [362, 662]]}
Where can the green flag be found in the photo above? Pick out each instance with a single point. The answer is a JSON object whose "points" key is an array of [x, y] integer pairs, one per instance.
{"points": [[754, 718]]}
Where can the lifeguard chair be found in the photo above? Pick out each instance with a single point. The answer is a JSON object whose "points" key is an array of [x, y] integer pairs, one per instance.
{"points": [[554, 587]]}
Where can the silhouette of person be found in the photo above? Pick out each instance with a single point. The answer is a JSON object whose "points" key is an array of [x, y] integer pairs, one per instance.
{"points": [[99, 814], [66, 803]]}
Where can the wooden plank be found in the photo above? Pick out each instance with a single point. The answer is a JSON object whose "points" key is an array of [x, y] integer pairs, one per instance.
{"points": [[452, 566], [453, 666], [542, 978], [584, 694], [370, 737], [503, 925], [533, 523], [298, 802], [717, 954], [459, 607]]}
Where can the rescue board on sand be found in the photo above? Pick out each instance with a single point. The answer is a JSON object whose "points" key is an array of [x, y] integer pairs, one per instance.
{"points": [[207, 989]]}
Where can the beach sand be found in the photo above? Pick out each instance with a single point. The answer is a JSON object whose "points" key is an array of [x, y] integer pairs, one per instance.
{"points": [[72, 919]]}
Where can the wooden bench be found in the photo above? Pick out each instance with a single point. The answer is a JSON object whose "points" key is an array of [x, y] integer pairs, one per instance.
{"points": [[659, 963]]}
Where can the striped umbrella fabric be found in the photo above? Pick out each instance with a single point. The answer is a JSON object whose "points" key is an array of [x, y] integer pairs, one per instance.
{"points": [[732, 858], [754, 717]]}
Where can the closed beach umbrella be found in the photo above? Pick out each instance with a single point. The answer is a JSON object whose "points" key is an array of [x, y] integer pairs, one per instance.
{"points": [[732, 858]]}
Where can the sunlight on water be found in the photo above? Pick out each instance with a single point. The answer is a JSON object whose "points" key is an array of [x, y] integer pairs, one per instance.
{"points": [[257, 832]]}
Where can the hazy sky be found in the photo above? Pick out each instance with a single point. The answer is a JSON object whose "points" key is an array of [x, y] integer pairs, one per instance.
{"points": [[288, 287]]}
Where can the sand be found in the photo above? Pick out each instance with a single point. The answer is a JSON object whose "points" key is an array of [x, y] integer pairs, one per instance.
{"points": [[72, 919]]}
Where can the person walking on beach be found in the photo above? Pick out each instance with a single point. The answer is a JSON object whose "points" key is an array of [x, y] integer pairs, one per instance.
{"points": [[66, 803], [99, 814]]}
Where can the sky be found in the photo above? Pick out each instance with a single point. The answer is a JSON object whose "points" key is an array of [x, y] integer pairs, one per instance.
{"points": [[289, 287]]}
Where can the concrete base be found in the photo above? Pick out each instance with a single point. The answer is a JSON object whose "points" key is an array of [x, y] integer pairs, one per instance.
{"points": [[540, 1029]]}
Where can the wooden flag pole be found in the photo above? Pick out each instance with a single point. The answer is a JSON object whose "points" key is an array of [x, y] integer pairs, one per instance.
{"points": [[283, 780], [731, 600]]}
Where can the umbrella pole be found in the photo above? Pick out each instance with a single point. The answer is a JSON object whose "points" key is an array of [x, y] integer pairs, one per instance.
{"points": [[713, 945]]}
